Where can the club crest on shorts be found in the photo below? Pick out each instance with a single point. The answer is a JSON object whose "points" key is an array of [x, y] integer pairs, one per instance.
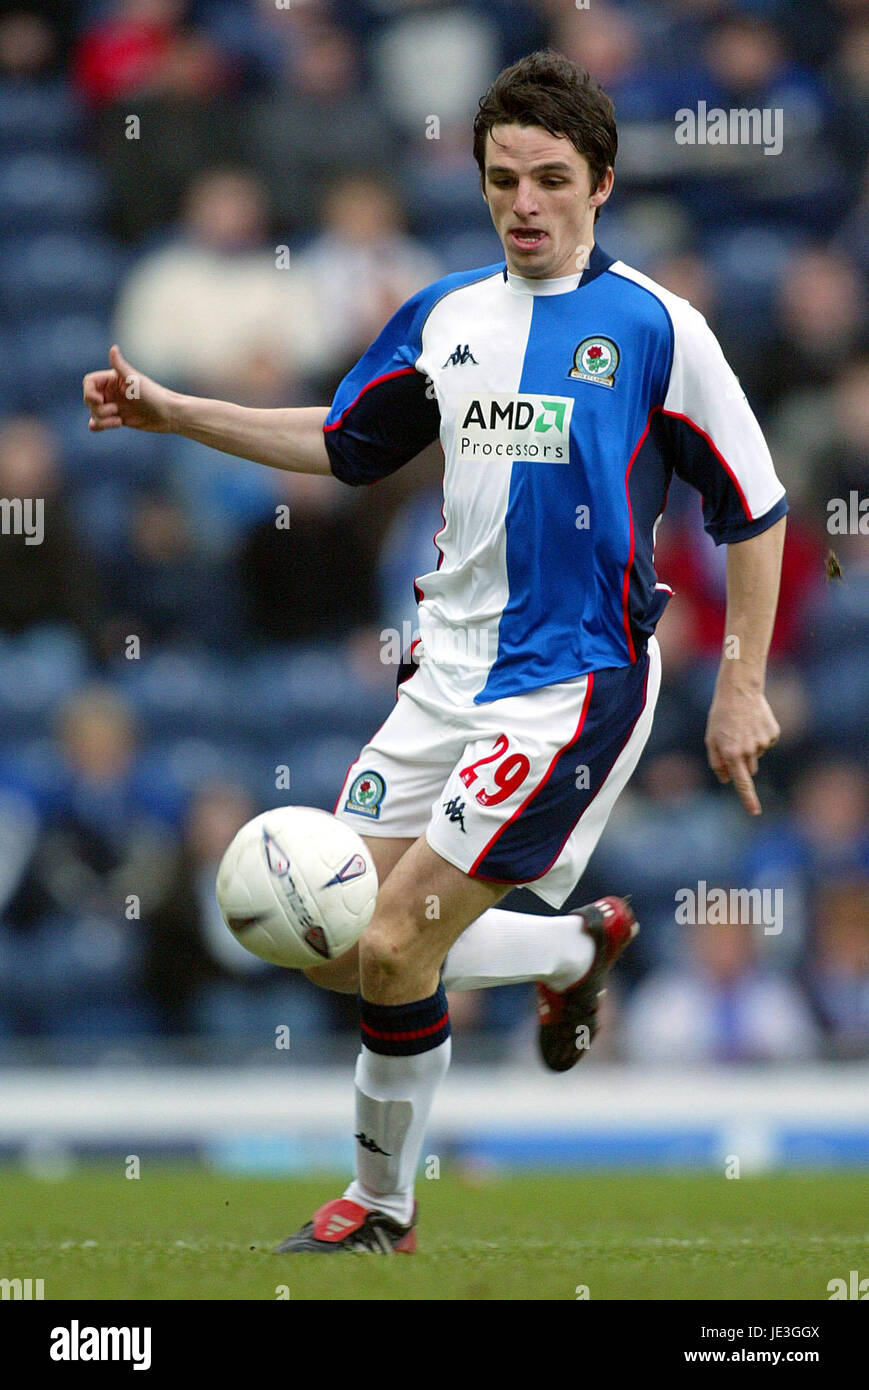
{"points": [[365, 794], [595, 360]]}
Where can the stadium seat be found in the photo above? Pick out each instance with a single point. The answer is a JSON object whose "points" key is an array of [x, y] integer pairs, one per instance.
{"points": [[316, 767], [40, 190], [58, 270], [233, 1009], [53, 355], [750, 263], [186, 764], [102, 512], [38, 671], [176, 694], [38, 116], [133, 457], [303, 693]]}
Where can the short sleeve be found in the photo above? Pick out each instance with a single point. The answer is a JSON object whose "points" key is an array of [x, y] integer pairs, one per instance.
{"points": [[384, 412], [715, 442]]}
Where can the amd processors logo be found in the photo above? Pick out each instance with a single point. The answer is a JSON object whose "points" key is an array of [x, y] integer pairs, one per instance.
{"points": [[514, 427]]}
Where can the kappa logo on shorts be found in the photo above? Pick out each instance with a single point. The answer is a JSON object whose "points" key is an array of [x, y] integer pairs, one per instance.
{"points": [[454, 809], [365, 795]]}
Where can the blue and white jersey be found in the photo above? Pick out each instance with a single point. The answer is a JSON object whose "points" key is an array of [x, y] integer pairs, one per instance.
{"points": [[564, 407]]}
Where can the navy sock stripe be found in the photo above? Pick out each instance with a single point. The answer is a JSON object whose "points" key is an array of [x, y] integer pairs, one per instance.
{"points": [[403, 1030]]}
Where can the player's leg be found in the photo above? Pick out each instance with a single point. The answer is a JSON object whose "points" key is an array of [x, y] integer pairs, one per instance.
{"points": [[342, 975], [424, 904], [502, 947]]}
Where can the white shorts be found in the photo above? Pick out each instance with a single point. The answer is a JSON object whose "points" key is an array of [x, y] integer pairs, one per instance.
{"points": [[514, 791]]}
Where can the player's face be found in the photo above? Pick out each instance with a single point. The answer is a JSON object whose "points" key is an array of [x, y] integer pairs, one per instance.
{"points": [[538, 187]]}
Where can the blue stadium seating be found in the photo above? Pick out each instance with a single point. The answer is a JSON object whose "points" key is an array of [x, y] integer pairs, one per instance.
{"points": [[39, 190], [38, 116], [37, 673], [133, 457], [53, 355], [58, 272]]}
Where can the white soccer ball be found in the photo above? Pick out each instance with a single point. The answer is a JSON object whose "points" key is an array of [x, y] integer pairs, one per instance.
{"points": [[297, 886]]}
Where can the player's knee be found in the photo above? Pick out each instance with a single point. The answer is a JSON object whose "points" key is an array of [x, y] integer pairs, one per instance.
{"points": [[387, 950], [341, 976]]}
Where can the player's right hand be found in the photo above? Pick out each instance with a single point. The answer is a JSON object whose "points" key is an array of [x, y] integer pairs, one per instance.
{"points": [[121, 395]]}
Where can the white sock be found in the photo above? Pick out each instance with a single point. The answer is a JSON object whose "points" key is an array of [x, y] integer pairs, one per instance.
{"points": [[506, 948], [393, 1100]]}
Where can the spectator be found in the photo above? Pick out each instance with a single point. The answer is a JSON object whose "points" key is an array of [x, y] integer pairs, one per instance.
{"points": [[819, 322], [51, 581], [27, 48], [196, 974], [311, 579], [823, 838], [362, 267], [849, 80], [839, 977], [317, 125], [202, 312], [718, 1004], [143, 49], [696, 568], [612, 44], [164, 588], [434, 60], [674, 832], [842, 463], [100, 855]]}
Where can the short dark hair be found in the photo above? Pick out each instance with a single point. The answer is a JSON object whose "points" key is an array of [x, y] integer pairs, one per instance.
{"points": [[548, 90]]}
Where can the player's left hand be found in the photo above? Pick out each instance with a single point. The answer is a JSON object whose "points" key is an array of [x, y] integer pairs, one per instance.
{"points": [[740, 728]]}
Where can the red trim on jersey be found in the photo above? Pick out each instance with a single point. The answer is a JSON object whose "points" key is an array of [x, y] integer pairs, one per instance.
{"points": [[417, 591], [542, 783], [387, 376], [408, 1033], [676, 415], [626, 581]]}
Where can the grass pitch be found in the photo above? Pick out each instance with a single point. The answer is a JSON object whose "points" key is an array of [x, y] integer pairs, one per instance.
{"points": [[188, 1233]]}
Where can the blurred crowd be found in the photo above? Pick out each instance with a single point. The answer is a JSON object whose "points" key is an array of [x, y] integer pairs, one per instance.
{"points": [[240, 193]]}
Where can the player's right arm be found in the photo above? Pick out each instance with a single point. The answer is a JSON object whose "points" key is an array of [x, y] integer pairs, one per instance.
{"points": [[290, 439]]}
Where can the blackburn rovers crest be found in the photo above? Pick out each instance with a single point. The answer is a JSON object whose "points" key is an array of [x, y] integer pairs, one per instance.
{"points": [[595, 360], [365, 795]]}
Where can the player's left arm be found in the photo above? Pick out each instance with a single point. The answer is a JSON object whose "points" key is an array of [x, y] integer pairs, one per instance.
{"points": [[718, 447], [741, 726]]}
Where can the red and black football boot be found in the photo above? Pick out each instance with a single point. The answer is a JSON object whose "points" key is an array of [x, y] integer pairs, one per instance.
{"points": [[567, 1021], [344, 1225]]}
